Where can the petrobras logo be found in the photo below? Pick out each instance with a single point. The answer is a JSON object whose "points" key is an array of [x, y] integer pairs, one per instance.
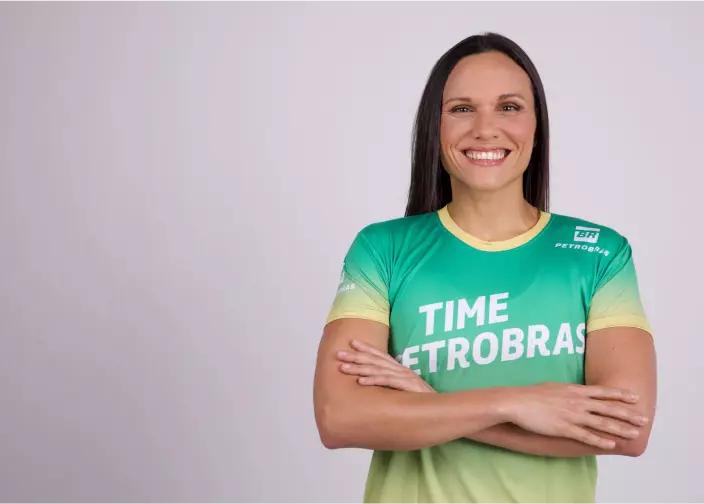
{"points": [[586, 234], [344, 285], [585, 239]]}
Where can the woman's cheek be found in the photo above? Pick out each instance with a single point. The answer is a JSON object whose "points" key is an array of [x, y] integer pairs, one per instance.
{"points": [[521, 129]]}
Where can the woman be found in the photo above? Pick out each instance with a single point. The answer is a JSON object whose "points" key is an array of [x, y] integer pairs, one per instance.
{"points": [[492, 348]]}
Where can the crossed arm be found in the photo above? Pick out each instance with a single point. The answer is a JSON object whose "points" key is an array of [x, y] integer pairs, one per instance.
{"points": [[616, 357], [396, 416]]}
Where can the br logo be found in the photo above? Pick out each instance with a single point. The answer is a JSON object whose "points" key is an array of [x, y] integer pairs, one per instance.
{"points": [[586, 234]]}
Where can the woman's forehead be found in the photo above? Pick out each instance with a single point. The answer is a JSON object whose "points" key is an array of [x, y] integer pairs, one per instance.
{"points": [[486, 76]]}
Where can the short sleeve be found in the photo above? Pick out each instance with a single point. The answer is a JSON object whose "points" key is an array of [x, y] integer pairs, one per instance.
{"points": [[616, 301], [363, 288]]}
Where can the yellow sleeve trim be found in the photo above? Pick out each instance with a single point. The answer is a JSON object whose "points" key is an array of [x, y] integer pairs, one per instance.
{"points": [[619, 321], [366, 316]]}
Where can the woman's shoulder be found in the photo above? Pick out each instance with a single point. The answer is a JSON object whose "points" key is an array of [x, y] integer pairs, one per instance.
{"points": [[399, 227]]}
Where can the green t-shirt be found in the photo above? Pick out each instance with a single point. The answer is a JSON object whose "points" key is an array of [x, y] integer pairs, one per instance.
{"points": [[465, 314]]}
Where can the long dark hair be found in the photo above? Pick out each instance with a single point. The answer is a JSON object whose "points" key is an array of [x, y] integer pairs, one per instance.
{"points": [[430, 183]]}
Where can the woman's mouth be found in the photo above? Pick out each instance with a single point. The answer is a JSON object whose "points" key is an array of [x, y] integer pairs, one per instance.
{"points": [[487, 158]]}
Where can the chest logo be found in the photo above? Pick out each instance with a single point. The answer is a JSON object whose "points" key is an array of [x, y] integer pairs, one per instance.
{"points": [[584, 238], [586, 234]]}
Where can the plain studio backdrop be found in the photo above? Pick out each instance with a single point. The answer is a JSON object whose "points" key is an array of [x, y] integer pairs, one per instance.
{"points": [[178, 186]]}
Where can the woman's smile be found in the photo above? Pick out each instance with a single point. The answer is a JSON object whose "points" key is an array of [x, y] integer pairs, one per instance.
{"points": [[487, 158]]}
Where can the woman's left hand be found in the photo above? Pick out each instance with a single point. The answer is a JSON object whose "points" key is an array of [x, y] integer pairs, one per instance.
{"points": [[378, 368]]}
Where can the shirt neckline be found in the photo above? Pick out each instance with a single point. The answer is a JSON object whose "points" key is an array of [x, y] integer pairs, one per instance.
{"points": [[492, 246]]}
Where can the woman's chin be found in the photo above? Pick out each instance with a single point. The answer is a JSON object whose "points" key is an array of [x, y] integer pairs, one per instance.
{"points": [[484, 183]]}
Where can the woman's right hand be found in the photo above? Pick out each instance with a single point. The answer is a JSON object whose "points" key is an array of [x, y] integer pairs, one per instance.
{"points": [[565, 409]]}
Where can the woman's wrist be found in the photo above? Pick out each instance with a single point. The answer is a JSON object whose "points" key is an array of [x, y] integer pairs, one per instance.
{"points": [[504, 403]]}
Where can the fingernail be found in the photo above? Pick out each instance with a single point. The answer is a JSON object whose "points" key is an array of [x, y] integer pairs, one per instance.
{"points": [[341, 353], [643, 420]]}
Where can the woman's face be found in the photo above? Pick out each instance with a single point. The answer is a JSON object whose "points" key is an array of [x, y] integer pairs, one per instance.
{"points": [[475, 115]]}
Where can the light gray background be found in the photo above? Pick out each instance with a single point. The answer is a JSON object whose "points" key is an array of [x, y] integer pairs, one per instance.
{"points": [[178, 186]]}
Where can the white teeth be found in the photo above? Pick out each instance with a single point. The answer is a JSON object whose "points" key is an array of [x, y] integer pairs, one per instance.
{"points": [[495, 154]]}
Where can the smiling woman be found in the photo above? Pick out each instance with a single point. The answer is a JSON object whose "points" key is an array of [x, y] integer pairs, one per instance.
{"points": [[521, 345]]}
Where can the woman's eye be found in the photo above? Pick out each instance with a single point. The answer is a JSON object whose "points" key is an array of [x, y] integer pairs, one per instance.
{"points": [[516, 107], [459, 107]]}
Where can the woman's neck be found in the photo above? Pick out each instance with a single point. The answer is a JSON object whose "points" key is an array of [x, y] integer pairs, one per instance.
{"points": [[492, 216]]}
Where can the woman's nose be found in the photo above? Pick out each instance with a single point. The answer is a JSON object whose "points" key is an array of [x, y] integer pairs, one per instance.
{"points": [[483, 125]]}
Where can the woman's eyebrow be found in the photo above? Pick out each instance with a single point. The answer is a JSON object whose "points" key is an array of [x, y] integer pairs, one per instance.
{"points": [[501, 97]]}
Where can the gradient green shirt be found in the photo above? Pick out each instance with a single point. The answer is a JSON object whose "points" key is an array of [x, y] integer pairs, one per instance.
{"points": [[466, 314]]}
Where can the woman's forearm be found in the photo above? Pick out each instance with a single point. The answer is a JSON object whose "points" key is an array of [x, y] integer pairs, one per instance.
{"points": [[513, 437], [380, 418]]}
